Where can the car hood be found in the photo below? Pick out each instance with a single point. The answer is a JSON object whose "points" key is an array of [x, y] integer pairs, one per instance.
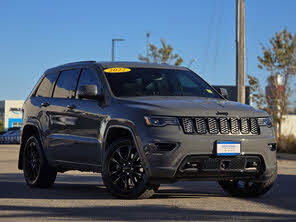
{"points": [[190, 106]]}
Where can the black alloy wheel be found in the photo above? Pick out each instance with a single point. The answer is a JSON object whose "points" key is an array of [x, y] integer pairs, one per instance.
{"points": [[124, 174], [31, 162], [37, 172], [126, 168]]}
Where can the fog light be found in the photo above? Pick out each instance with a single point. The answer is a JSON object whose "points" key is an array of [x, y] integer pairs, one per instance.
{"points": [[272, 146], [191, 165], [150, 148], [254, 164], [165, 146], [159, 147]]}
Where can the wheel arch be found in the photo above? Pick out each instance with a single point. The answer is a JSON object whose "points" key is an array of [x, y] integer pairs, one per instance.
{"points": [[27, 131], [121, 131], [115, 132]]}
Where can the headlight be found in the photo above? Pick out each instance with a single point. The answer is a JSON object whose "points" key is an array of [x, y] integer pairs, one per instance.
{"points": [[160, 121], [265, 121]]}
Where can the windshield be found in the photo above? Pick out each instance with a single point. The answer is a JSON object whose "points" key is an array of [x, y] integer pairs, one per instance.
{"points": [[158, 82]]}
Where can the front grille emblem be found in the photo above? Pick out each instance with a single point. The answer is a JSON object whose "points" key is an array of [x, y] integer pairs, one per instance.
{"points": [[222, 113]]}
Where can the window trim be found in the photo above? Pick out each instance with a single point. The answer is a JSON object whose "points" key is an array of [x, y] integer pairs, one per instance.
{"points": [[96, 75], [52, 87], [37, 88], [75, 94], [60, 72]]}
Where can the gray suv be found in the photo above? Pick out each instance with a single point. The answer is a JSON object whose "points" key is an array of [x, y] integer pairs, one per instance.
{"points": [[141, 125]]}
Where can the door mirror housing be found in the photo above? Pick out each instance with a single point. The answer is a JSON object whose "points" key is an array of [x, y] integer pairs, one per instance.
{"points": [[223, 92], [89, 92]]}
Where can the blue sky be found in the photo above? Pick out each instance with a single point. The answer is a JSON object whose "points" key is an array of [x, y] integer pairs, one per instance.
{"points": [[36, 35]]}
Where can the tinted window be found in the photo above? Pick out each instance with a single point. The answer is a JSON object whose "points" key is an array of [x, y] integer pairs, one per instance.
{"points": [[45, 88], [159, 82], [88, 77], [66, 84]]}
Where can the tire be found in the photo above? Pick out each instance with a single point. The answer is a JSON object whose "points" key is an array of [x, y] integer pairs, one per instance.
{"points": [[37, 172], [123, 173], [155, 187], [239, 188]]}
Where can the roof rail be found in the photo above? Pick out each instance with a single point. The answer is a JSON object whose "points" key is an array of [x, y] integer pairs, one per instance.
{"points": [[72, 63]]}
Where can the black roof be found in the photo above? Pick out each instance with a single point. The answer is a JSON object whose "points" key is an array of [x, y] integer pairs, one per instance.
{"points": [[69, 65], [138, 65], [115, 64]]}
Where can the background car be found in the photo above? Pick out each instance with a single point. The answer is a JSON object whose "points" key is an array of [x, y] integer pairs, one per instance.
{"points": [[10, 137]]}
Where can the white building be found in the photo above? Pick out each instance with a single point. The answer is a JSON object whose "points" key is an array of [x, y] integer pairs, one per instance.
{"points": [[11, 113], [289, 125]]}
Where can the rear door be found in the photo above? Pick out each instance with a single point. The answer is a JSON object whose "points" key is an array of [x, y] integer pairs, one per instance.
{"points": [[75, 122], [88, 116]]}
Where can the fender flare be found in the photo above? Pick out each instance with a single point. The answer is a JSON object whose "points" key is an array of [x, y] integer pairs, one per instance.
{"points": [[135, 138], [22, 144]]}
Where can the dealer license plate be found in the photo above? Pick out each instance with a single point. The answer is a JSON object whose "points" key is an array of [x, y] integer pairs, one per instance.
{"points": [[228, 148]]}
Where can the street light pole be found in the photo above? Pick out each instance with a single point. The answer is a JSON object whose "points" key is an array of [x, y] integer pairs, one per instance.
{"points": [[113, 43]]}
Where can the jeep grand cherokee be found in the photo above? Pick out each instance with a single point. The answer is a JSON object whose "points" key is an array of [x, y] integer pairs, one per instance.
{"points": [[141, 125]]}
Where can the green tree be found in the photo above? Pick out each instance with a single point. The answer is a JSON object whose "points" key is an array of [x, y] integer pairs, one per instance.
{"points": [[279, 60], [1, 126], [161, 55]]}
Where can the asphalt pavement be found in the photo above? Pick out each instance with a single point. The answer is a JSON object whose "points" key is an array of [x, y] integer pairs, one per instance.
{"points": [[80, 196]]}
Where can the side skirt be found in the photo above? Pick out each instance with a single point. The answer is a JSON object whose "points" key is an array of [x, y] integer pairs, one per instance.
{"points": [[63, 166]]}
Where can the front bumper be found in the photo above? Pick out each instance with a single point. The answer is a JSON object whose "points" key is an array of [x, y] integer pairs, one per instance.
{"points": [[168, 166]]}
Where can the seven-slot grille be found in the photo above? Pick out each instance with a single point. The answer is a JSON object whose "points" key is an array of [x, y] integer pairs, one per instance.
{"points": [[222, 125]]}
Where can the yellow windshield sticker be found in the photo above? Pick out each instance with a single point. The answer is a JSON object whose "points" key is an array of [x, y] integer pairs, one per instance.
{"points": [[117, 70], [209, 91]]}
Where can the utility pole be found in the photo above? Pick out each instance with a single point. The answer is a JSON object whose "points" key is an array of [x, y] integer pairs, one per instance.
{"points": [[113, 43], [240, 50]]}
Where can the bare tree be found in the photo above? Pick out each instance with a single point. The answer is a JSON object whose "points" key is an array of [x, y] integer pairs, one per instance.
{"points": [[257, 95], [279, 60], [162, 55]]}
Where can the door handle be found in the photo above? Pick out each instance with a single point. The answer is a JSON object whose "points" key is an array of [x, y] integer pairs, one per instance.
{"points": [[71, 106], [46, 104]]}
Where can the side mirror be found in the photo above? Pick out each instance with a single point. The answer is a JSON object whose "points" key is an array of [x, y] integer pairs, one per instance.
{"points": [[223, 92], [89, 92]]}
